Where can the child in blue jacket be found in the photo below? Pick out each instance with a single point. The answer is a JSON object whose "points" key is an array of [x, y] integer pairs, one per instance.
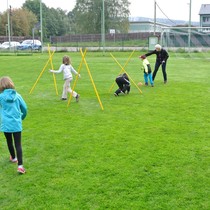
{"points": [[13, 110]]}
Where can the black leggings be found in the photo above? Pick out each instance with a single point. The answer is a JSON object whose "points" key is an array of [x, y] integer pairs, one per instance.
{"points": [[17, 141], [157, 65]]}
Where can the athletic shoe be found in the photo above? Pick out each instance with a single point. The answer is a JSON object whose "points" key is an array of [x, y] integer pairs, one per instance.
{"points": [[165, 81], [77, 97], [115, 94], [21, 170], [63, 99], [146, 84], [122, 92], [13, 160]]}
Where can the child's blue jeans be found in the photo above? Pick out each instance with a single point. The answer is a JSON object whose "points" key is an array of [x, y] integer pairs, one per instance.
{"points": [[148, 76]]}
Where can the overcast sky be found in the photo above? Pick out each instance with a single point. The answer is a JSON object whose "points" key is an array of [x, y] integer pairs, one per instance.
{"points": [[172, 9]]}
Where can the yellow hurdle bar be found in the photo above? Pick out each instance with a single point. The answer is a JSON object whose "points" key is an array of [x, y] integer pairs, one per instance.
{"points": [[79, 69], [41, 72], [126, 73], [52, 67], [122, 69], [91, 78]]}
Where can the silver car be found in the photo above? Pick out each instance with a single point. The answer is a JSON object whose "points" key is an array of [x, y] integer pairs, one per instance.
{"points": [[9, 45]]}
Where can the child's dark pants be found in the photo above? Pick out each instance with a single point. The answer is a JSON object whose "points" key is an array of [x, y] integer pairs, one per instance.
{"points": [[17, 141]]}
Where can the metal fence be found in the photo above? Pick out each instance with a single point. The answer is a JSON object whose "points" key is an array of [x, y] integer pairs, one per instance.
{"points": [[73, 42], [170, 37], [97, 37], [94, 42]]}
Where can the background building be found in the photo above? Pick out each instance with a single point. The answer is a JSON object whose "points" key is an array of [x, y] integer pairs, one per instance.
{"points": [[145, 26], [205, 15]]}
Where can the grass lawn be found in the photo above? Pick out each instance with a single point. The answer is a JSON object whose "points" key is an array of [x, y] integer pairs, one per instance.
{"points": [[143, 151]]}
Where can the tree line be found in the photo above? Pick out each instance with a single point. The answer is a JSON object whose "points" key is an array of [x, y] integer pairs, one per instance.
{"points": [[85, 18]]}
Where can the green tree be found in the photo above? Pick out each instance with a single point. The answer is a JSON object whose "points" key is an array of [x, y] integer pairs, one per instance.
{"points": [[88, 15], [3, 24], [21, 22], [55, 21], [118, 15], [34, 7], [71, 22]]}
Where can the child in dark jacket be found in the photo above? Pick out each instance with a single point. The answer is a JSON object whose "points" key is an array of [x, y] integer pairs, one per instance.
{"points": [[123, 84]]}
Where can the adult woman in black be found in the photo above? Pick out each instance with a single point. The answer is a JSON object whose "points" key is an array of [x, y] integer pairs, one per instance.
{"points": [[161, 59]]}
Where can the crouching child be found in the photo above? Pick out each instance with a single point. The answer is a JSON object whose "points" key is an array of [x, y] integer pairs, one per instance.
{"points": [[123, 83]]}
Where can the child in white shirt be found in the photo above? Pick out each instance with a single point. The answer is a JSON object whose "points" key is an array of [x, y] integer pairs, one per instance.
{"points": [[67, 70]]}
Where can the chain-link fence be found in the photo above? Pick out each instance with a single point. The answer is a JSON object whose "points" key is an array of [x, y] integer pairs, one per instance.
{"points": [[94, 42]]}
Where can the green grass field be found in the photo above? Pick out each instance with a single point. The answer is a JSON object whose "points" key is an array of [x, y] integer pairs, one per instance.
{"points": [[143, 151]]}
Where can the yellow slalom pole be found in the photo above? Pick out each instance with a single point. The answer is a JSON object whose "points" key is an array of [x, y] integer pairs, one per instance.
{"points": [[74, 85], [122, 69], [92, 80], [41, 73], [126, 73], [52, 67]]}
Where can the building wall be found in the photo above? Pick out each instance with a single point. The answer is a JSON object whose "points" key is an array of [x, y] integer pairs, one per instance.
{"points": [[136, 27], [205, 20]]}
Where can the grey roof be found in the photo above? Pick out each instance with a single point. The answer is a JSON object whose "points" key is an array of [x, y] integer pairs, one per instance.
{"points": [[205, 9]]}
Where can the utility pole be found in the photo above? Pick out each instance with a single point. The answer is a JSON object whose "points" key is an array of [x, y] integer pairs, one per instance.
{"points": [[154, 17], [8, 24], [103, 27], [6, 29], [41, 24], [10, 13], [189, 30]]}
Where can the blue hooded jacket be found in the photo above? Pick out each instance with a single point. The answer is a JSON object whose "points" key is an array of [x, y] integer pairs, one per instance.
{"points": [[13, 110]]}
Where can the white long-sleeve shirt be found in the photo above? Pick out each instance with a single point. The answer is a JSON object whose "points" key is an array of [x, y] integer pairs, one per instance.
{"points": [[67, 71]]}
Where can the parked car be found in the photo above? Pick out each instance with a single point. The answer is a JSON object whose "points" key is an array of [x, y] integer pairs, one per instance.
{"points": [[30, 44], [9, 45]]}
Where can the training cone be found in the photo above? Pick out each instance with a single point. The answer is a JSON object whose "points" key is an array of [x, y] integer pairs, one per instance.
{"points": [[140, 84]]}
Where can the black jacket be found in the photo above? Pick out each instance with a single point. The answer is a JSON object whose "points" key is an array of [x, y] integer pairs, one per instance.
{"points": [[161, 55]]}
